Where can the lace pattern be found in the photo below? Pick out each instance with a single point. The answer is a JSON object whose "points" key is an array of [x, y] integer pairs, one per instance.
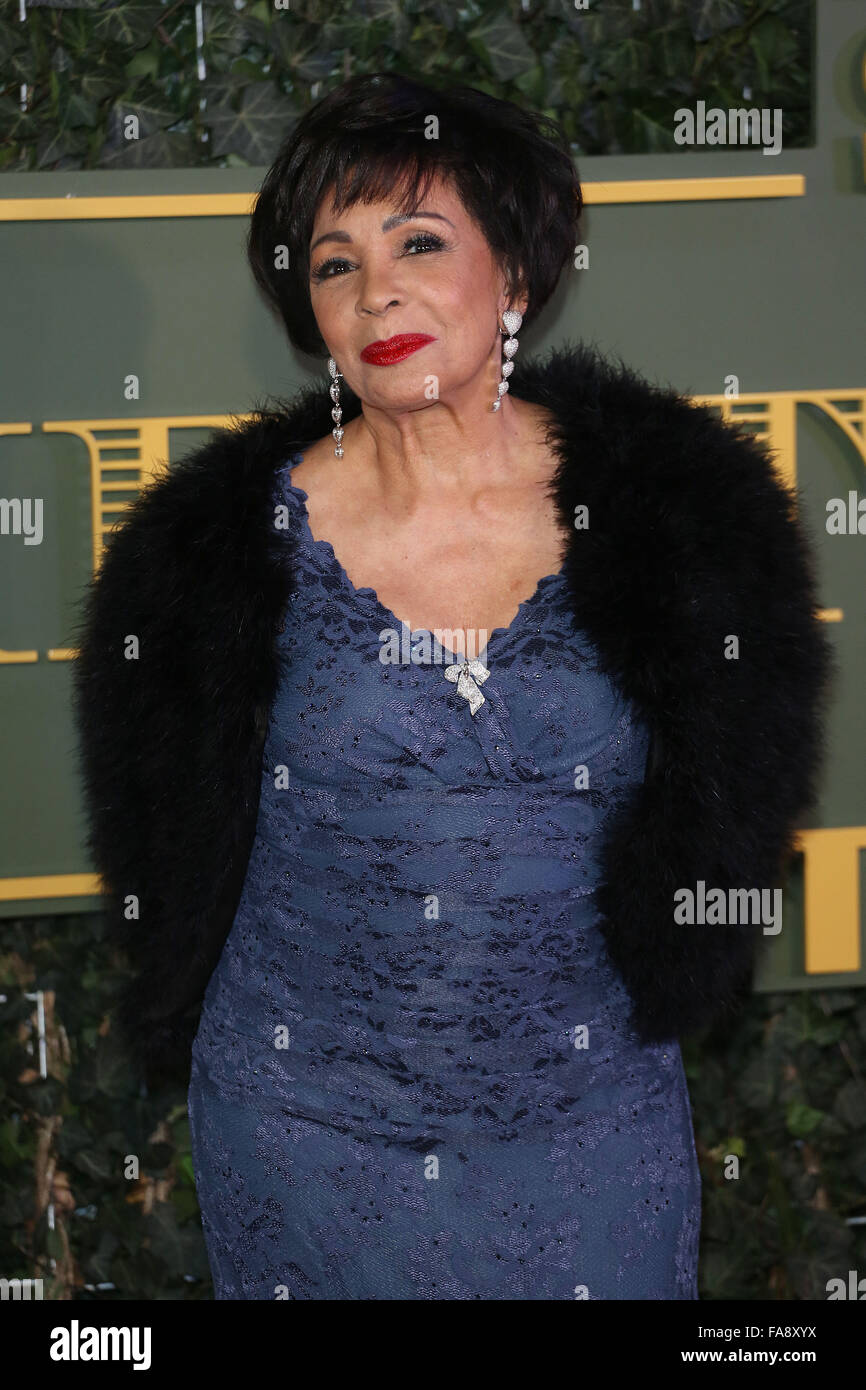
{"points": [[415, 1075]]}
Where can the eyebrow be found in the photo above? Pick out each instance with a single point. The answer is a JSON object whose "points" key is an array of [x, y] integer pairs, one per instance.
{"points": [[387, 226]]}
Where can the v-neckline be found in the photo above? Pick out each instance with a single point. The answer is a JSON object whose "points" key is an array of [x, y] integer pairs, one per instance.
{"points": [[368, 593]]}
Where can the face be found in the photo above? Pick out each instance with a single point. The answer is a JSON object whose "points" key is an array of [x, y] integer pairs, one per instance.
{"points": [[376, 275]]}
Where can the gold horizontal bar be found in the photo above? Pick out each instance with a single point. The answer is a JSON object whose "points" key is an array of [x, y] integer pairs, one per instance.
{"points": [[684, 190], [136, 423], [816, 396], [49, 886], [697, 190], [74, 208]]}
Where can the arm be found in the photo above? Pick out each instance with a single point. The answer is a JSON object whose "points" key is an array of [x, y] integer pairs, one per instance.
{"points": [[719, 555], [169, 690]]}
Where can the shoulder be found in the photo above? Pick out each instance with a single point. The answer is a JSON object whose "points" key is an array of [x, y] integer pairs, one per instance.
{"points": [[691, 510], [320, 465], [669, 453], [214, 491], [237, 461], [598, 390]]}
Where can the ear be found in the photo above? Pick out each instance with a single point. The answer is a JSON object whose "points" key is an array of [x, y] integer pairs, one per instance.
{"points": [[519, 304], [512, 295]]}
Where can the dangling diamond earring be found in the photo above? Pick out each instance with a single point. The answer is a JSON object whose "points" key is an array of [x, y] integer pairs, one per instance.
{"points": [[512, 321], [336, 413]]}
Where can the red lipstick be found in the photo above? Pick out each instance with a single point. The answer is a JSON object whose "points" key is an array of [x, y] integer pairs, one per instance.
{"points": [[386, 352]]}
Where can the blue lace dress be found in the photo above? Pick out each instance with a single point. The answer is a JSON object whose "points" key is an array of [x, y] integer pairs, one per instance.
{"points": [[414, 1076]]}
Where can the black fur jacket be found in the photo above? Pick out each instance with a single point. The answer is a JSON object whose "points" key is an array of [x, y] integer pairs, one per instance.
{"points": [[691, 539]]}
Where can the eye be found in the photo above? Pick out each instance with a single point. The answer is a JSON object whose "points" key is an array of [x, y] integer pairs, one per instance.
{"points": [[425, 241], [432, 241]]}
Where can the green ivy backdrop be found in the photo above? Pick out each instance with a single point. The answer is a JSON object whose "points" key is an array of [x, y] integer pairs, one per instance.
{"points": [[612, 74]]}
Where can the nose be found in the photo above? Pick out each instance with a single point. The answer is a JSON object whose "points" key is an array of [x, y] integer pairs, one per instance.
{"points": [[374, 304], [377, 291]]}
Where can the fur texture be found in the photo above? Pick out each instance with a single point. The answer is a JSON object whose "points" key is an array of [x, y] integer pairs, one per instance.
{"points": [[691, 537]]}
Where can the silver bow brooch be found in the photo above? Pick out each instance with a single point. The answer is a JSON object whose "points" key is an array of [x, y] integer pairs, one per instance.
{"points": [[468, 675]]}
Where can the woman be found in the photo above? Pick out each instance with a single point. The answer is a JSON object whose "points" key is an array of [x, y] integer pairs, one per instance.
{"points": [[448, 682]]}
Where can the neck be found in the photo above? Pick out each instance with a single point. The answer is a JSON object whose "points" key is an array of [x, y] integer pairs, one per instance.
{"points": [[451, 447]]}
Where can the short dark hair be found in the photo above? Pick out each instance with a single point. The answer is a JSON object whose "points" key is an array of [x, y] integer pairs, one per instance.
{"points": [[512, 169]]}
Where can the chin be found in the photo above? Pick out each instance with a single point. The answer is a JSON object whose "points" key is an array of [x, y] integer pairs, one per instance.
{"points": [[399, 396]]}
